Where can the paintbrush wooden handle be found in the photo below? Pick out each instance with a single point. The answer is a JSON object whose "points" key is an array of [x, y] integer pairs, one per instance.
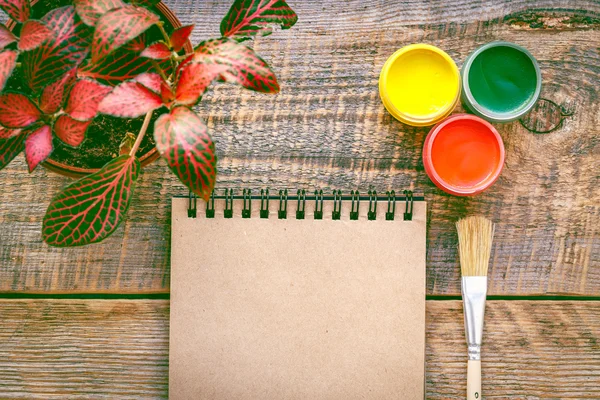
{"points": [[474, 380]]}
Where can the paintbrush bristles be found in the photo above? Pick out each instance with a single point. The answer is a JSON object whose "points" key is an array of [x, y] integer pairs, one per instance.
{"points": [[475, 236]]}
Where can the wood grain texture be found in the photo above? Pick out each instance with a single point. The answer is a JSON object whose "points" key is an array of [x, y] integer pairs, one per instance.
{"points": [[119, 349], [327, 128]]}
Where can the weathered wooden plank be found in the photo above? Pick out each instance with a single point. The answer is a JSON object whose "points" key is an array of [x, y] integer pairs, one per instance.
{"points": [[119, 349], [328, 129], [536, 251]]}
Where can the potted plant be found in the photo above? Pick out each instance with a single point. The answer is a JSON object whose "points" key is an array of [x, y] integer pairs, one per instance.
{"points": [[91, 60]]}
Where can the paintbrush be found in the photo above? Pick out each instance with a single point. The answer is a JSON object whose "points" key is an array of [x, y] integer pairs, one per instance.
{"points": [[475, 236]]}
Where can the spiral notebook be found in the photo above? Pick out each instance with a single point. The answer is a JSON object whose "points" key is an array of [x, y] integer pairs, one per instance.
{"points": [[317, 296]]}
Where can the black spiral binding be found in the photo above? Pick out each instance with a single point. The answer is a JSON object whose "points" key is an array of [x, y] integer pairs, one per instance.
{"points": [[264, 203], [355, 200], [228, 212], [318, 204], [192, 203], [283, 199], [301, 204], [372, 214], [408, 210], [210, 206], [337, 205], [391, 208], [247, 210]]}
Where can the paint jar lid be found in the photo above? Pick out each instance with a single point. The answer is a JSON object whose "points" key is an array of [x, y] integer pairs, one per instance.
{"points": [[419, 85], [501, 81], [463, 155]]}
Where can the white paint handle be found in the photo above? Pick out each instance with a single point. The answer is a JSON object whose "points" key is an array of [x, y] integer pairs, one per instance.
{"points": [[474, 380]]}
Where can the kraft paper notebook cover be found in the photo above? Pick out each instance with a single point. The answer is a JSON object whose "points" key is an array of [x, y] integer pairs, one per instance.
{"points": [[269, 308]]}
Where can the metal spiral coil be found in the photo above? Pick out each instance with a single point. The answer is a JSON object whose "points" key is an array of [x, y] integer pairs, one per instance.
{"points": [[337, 205], [264, 203], [355, 201], [301, 204], [247, 210], [391, 208], [192, 203], [300, 198], [372, 214], [318, 204], [228, 212], [210, 206], [408, 210], [283, 200]]}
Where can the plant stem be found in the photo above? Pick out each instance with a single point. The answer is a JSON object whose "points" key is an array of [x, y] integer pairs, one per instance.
{"points": [[165, 34], [182, 57], [140, 136], [160, 71]]}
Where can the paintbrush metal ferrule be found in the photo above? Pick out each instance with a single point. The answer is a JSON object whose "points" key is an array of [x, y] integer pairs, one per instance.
{"points": [[474, 290]]}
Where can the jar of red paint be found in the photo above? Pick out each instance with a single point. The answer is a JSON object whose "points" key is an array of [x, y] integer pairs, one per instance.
{"points": [[463, 155]]}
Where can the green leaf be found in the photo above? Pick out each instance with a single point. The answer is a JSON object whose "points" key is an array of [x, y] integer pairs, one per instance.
{"points": [[249, 18], [6, 36], [90, 11], [90, 209], [67, 48], [194, 79], [33, 34], [8, 61], [244, 67], [146, 3], [19, 10], [183, 141], [119, 26], [10, 147], [119, 66]]}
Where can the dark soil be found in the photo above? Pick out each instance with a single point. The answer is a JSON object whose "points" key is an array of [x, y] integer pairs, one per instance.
{"points": [[102, 141], [105, 133]]}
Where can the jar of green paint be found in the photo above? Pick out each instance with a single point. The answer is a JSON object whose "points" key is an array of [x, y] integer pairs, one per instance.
{"points": [[501, 81]]}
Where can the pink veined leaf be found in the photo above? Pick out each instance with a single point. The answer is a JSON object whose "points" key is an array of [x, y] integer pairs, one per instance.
{"points": [[8, 61], [146, 3], [6, 133], [19, 10], [11, 147], [70, 131], [194, 79], [52, 96], [249, 18], [180, 36], [118, 67], [84, 98], [91, 10], [151, 80], [137, 44], [117, 27], [33, 34], [182, 64], [38, 146], [156, 51], [90, 209], [183, 141], [167, 95], [130, 100], [17, 111], [244, 67], [6, 36], [67, 48]]}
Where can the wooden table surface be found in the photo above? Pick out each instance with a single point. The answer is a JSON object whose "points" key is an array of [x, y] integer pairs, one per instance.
{"points": [[92, 322]]}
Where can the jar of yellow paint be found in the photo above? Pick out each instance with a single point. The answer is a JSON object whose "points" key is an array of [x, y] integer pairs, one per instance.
{"points": [[419, 85]]}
